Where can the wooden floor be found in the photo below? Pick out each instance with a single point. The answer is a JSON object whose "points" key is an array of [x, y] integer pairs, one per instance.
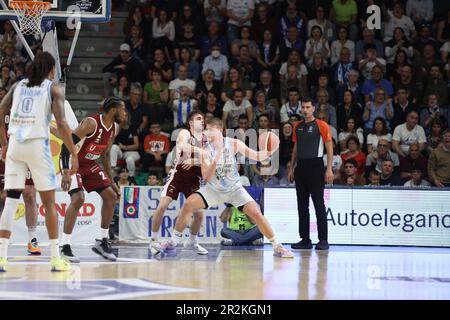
{"points": [[249, 273]]}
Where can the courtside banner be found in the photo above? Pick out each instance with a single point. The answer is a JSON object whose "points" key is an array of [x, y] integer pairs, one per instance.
{"points": [[138, 204], [86, 228], [367, 216]]}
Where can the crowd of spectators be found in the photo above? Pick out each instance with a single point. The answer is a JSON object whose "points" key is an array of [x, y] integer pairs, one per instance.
{"points": [[384, 93]]}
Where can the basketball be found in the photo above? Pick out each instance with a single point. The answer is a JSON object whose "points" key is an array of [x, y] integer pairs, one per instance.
{"points": [[268, 141]]}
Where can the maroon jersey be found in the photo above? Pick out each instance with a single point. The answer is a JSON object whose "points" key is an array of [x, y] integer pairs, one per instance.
{"points": [[194, 172], [93, 146], [181, 180]]}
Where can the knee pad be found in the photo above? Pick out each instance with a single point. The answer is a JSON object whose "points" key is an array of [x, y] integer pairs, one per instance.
{"points": [[14, 194]]}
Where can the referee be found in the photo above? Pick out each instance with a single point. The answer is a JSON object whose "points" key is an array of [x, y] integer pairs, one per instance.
{"points": [[307, 168]]}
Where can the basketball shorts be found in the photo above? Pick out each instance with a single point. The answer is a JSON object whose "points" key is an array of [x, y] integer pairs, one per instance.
{"points": [[212, 197], [173, 187], [93, 178], [33, 155], [28, 182]]}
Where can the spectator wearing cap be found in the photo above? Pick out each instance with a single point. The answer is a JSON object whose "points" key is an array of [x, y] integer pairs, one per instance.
{"points": [[349, 175], [439, 163], [388, 176], [124, 63], [414, 159], [420, 11]]}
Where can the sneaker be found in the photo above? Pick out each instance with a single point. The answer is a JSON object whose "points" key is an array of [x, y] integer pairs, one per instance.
{"points": [[66, 252], [154, 246], [103, 248], [196, 247], [60, 264], [258, 242], [226, 242], [33, 247], [282, 252], [3, 264], [165, 247], [304, 244], [322, 245]]}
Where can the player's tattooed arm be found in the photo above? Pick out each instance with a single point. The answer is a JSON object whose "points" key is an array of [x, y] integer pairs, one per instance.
{"points": [[5, 107]]}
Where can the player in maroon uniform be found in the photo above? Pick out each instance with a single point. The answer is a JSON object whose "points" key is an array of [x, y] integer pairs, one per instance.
{"points": [[94, 136], [184, 177], [29, 199]]}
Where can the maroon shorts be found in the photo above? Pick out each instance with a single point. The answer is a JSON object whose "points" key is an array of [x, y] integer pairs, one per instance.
{"points": [[92, 181], [174, 186]]}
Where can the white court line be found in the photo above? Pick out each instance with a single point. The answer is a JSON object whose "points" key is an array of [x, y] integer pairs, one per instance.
{"points": [[219, 257]]}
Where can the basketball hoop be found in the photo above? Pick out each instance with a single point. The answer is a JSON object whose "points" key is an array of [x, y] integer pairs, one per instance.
{"points": [[30, 15]]}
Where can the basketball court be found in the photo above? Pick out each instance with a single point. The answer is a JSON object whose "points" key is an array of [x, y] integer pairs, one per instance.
{"points": [[248, 273]]}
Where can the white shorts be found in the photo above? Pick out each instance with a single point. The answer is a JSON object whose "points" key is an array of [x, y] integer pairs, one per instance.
{"points": [[33, 155], [237, 198]]}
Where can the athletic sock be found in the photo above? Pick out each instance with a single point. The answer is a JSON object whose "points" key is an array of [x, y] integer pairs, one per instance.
{"points": [[176, 238], [31, 234], [4, 243], [274, 242], [193, 238], [54, 248], [155, 235], [65, 239], [104, 233]]}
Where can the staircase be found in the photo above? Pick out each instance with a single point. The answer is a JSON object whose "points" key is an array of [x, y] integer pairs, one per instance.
{"points": [[98, 44]]}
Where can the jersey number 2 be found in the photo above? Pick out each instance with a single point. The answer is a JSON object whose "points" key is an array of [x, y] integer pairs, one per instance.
{"points": [[103, 175]]}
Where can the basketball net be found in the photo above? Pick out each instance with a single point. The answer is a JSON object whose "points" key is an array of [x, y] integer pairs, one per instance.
{"points": [[29, 14]]}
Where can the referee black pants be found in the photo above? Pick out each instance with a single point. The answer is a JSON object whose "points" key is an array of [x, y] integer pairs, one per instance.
{"points": [[309, 181]]}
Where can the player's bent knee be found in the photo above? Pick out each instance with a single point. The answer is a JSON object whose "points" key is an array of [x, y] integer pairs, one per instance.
{"points": [[78, 200]]}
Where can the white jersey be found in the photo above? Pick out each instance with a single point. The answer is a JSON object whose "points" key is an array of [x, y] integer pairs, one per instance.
{"points": [[31, 111], [226, 178]]}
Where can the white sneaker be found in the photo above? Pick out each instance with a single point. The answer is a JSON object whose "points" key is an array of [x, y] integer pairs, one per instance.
{"points": [[196, 247], [258, 242]]}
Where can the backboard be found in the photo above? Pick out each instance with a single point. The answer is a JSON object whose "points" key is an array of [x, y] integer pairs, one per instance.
{"points": [[61, 10]]}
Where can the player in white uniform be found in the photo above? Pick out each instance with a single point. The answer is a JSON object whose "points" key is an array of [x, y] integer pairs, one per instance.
{"points": [[32, 102], [219, 169]]}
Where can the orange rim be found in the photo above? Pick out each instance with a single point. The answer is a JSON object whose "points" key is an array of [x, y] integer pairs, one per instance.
{"points": [[29, 4]]}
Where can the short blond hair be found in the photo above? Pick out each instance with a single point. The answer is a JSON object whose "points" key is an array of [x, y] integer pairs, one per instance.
{"points": [[215, 122]]}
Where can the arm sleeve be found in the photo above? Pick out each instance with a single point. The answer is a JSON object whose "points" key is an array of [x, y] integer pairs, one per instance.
{"points": [[65, 154]]}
